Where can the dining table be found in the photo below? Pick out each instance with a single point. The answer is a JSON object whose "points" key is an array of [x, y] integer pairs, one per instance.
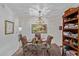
{"points": [[36, 50], [42, 50]]}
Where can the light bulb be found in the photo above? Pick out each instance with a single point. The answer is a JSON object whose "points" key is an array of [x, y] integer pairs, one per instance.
{"points": [[20, 28]]}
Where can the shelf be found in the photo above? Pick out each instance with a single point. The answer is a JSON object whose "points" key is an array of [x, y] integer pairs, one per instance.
{"points": [[75, 20], [70, 37], [75, 10], [71, 30], [72, 46], [76, 52]]}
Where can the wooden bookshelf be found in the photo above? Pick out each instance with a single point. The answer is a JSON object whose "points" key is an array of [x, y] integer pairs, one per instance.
{"points": [[72, 46], [70, 37], [71, 30], [75, 20], [70, 11], [71, 16]]}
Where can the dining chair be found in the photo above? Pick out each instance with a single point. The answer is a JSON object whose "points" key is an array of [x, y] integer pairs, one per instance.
{"points": [[24, 43], [49, 39]]}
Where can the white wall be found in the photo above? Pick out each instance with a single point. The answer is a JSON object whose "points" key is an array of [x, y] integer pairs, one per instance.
{"points": [[52, 28], [8, 43]]}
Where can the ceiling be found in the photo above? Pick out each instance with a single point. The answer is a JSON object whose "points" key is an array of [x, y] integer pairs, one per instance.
{"points": [[22, 9]]}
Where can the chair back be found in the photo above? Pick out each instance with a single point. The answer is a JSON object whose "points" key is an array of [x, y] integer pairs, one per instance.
{"points": [[49, 39], [24, 40]]}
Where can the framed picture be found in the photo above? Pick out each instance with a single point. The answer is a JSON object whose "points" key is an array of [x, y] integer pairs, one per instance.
{"points": [[41, 28], [9, 27]]}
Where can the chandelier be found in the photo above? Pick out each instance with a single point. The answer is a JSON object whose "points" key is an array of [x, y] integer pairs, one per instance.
{"points": [[40, 21]]}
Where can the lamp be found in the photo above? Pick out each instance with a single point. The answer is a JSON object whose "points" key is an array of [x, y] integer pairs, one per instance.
{"points": [[20, 29]]}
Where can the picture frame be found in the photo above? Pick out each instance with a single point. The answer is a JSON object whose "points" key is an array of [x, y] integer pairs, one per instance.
{"points": [[9, 27], [42, 28]]}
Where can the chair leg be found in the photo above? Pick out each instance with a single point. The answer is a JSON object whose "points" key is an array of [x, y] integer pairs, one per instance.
{"points": [[23, 53]]}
